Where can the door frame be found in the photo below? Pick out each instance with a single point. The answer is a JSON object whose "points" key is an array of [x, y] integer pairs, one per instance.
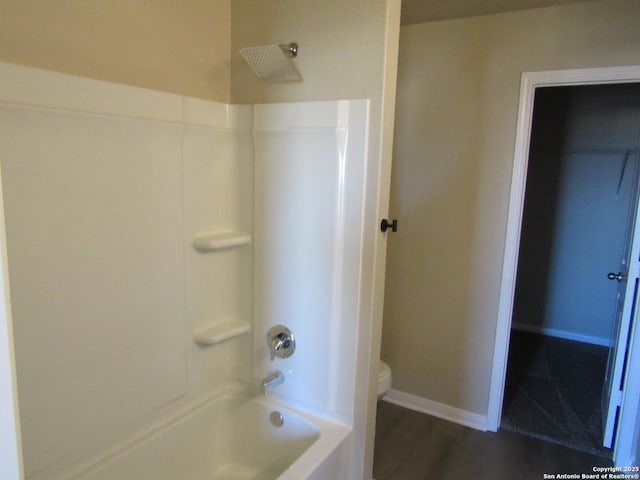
{"points": [[10, 437], [624, 450]]}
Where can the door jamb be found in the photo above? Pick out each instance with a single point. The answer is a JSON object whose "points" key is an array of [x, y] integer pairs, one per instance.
{"points": [[529, 82]]}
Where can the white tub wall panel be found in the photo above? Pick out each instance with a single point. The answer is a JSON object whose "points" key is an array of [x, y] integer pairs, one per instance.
{"points": [[211, 366], [353, 141], [136, 353], [33, 86], [29, 86], [219, 116], [94, 228], [308, 232], [218, 181], [280, 117], [218, 197], [163, 142], [294, 255], [189, 448]]}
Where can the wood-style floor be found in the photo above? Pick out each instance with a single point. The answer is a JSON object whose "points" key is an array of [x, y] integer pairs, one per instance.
{"points": [[413, 446]]}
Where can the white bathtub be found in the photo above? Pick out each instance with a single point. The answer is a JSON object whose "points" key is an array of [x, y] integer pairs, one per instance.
{"points": [[228, 437]]}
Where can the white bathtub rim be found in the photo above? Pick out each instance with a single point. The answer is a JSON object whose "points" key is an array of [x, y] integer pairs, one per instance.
{"points": [[333, 430], [317, 453]]}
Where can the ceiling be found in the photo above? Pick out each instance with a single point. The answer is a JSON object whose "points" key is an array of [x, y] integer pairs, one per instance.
{"points": [[420, 11]]}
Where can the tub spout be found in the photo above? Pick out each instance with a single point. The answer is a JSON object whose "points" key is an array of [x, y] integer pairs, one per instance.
{"points": [[271, 381]]}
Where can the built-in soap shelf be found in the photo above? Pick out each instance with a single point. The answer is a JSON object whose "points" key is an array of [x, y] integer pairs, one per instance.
{"points": [[221, 241], [220, 332]]}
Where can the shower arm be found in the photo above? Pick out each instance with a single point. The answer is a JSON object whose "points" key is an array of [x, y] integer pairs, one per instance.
{"points": [[291, 50]]}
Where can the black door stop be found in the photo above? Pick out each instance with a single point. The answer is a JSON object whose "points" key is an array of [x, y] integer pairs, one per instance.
{"points": [[385, 225]]}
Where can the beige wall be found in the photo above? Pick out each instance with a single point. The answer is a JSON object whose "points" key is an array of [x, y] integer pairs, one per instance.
{"points": [[174, 46], [458, 86], [341, 48]]}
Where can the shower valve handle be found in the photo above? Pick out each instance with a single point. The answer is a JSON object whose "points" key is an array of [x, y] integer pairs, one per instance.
{"points": [[281, 342]]}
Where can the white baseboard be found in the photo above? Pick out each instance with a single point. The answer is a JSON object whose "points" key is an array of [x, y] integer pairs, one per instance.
{"points": [[552, 332], [436, 409]]}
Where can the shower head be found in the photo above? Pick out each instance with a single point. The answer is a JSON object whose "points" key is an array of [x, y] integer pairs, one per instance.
{"points": [[272, 62]]}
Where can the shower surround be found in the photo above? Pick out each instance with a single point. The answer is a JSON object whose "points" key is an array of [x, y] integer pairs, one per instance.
{"points": [[153, 240]]}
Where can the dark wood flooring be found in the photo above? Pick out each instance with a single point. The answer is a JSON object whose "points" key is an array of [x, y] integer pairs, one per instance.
{"points": [[413, 446]]}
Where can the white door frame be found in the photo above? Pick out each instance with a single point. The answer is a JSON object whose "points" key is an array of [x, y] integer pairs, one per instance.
{"points": [[623, 447], [10, 439]]}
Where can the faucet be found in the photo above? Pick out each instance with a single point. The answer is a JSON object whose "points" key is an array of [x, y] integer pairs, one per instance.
{"points": [[271, 381]]}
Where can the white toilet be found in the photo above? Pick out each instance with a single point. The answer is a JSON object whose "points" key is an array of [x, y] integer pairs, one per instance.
{"points": [[384, 379]]}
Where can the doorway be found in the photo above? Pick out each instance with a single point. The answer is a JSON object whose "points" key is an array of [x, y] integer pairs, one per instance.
{"points": [[579, 192], [535, 83]]}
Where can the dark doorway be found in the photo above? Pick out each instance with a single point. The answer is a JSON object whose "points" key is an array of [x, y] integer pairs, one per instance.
{"points": [[579, 190]]}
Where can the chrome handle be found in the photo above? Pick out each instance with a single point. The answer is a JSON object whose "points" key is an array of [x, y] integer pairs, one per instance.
{"points": [[280, 342], [616, 276]]}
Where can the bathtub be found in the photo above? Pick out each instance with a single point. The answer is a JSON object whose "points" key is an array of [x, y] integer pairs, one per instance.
{"points": [[229, 436]]}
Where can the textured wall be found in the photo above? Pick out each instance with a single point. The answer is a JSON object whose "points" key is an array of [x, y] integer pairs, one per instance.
{"points": [[458, 85], [179, 47], [341, 48]]}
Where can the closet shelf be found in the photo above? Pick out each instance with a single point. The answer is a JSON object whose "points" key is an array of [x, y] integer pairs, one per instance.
{"points": [[220, 332], [221, 241]]}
